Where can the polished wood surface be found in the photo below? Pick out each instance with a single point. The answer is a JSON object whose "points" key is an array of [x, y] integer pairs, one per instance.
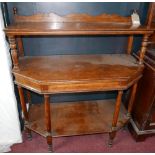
{"points": [[73, 24], [76, 118], [77, 73], [80, 17], [73, 29]]}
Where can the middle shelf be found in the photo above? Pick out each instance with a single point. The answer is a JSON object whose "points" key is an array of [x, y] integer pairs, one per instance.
{"points": [[77, 73], [76, 118]]}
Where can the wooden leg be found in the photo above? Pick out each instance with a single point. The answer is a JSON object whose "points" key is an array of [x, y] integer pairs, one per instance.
{"points": [[112, 134], [48, 122], [28, 96], [29, 135], [23, 104], [132, 98]]}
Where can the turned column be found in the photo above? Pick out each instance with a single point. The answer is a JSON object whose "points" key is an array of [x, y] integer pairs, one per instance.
{"points": [[24, 109], [112, 134], [14, 54], [130, 44], [143, 48], [48, 121], [131, 100]]}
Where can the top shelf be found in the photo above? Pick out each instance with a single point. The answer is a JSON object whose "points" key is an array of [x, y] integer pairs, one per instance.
{"points": [[73, 24]]}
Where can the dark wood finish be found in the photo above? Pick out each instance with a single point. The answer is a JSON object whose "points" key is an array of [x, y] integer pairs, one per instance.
{"points": [[77, 73], [143, 122], [74, 29], [132, 99], [79, 118], [112, 134]]}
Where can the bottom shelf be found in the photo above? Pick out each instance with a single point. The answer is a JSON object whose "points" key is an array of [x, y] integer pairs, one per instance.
{"points": [[76, 118]]}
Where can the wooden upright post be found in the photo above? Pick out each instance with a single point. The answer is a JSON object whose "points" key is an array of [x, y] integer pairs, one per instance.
{"points": [[24, 109], [132, 98], [13, 47], [143, 48], [112, 134], [48, 121], [130, 44]]}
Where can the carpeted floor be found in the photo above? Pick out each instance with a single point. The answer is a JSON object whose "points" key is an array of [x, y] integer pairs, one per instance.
{"points": [[87, 143]]}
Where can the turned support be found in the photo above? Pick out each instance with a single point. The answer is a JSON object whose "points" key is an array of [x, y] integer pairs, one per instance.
{"points": [[112, 134], [132, 98], [24, 109], [20, 46], [48, 121], [13, 47], [143, 48], [130, 44]]}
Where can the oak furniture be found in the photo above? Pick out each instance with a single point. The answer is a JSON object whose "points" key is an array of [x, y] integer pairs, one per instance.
{"points": [[143, 116], [49, 75]]}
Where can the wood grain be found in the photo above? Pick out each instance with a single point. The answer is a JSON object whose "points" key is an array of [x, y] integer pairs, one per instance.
{"points": [[77, 73], [76, 118], [80, 17]]}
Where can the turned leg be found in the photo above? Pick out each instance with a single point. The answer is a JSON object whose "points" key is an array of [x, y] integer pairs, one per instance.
{"points": [[14, 54], [28, 94], [112, 134], [143, 47], [23, 104], [48, 122], [132, 98]]}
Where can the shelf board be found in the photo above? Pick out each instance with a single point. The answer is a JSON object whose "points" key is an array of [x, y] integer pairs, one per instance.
{"points": [[73, 28], [76, 118], [77, 73], [73, 24]]}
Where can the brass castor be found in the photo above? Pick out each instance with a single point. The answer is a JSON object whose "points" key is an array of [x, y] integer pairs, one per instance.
{"points": [[50, 150], [110, 143], [29, 136]]}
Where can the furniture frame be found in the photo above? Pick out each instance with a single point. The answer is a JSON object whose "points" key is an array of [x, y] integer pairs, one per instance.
{"points": [[73, 74], [142, 124]]}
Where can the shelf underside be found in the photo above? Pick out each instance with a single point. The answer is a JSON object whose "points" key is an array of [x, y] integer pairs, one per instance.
{"points": [[75, 73], [76, 118]]}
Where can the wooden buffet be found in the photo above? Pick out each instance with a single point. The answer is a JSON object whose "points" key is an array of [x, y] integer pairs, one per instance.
{"points": [[49, 75]]}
